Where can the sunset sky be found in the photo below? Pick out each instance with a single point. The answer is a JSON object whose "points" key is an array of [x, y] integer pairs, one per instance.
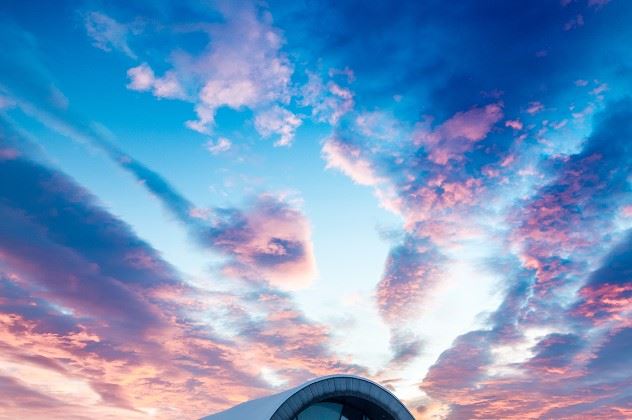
{"points": [[204, 202]]}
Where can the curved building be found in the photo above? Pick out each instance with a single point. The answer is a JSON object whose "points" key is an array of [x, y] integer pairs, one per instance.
{"points": [[336, 397]]}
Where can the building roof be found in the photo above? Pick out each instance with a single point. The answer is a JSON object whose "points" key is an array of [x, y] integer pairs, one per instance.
{"points": [[287, 404]]}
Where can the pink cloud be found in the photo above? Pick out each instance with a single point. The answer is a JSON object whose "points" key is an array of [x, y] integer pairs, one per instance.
{"points": [[456, 136], [606, 303], [534, 107], [412, 270], [349, 159], [106, 323], [8, 153], [459, 368], [515, 124], [557, 381], [508, 160], [472, 125], [549, 226], [270, 239], [434, 199]]}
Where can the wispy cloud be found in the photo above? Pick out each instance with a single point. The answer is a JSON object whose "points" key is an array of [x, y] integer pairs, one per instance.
{"points": [[108, 34]]}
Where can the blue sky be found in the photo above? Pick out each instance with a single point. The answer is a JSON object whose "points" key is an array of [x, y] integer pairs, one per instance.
{"points": [[237, 196]]}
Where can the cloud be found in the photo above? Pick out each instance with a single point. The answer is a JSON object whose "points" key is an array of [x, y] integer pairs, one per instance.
{"points": [[108, 34], [88, 304], [281, 255], [469, 184], [555, 351], [588, 185], [515, 124], [459, 367], [347, 157], [406, 347], [19, 396], [53, 230], [378, 125], [142, 78], [438, 183], [277, 254], [534, 107], [270, 239], [241, 67], [456, 136], [539, 345], [607, 294], [126, 289], [329, 102], [221, 145], [555, 381], [412, 269], [277, 120], [614, 355]]}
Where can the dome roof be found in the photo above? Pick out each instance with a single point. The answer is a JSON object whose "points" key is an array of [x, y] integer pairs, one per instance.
{"points": [[287, 404]]}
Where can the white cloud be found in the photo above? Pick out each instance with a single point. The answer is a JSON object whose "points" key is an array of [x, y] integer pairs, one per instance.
{"points": [[349, 160], [277, 120], [168, 86], [242, 67], [108, 34], [378, 124], [221, 145], [328, 102], [142, 78]]}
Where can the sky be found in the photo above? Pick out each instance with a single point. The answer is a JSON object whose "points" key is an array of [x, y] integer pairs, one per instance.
{"points": [[205, 202]]}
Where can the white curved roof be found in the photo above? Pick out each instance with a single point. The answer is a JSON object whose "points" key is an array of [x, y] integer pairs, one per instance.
{"points": [[261, 408], [264, 408]]}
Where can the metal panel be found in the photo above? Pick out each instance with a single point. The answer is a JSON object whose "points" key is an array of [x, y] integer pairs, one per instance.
{"points": [[319, 390], [339, 385], [294, 405], [285, 412]]}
